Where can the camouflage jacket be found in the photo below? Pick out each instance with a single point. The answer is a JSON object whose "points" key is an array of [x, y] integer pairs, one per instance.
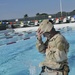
{"points": [[55, 49]]}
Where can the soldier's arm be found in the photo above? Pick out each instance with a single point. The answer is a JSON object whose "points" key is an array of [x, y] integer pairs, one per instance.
{"points": [[62, 44], [41, 46]]}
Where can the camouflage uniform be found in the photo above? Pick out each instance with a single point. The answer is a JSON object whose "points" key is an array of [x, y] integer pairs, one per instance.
{"points": [[55, 50]]}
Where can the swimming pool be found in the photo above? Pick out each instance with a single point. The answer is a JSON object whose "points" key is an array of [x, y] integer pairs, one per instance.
{"points": [[22, 57]]}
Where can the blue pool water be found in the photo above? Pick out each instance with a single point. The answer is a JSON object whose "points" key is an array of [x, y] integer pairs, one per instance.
{"points": [[22, 57]]}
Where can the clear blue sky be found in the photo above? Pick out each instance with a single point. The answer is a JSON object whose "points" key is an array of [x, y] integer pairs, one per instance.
{"points": [[12, 9]]}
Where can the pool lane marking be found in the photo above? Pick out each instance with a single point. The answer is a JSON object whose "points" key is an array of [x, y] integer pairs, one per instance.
{"points": [[17, 41]]}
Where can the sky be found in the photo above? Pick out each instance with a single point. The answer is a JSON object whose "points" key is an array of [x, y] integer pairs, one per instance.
{"points": [[14, 9]]}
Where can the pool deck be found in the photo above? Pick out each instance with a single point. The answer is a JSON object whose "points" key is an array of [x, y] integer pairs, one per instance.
{"points": [[57, 26]]}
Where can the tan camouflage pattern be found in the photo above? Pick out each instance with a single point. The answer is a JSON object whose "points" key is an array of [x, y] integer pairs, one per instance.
{"points": [[56, 51], [45, 26], [49, 72]]}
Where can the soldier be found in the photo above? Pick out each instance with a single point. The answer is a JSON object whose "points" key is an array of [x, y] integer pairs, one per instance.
{"points": [[55, 48]]}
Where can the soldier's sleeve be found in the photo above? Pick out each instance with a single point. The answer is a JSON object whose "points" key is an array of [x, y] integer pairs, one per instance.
{"points": [[40, 46], [62, 44]]}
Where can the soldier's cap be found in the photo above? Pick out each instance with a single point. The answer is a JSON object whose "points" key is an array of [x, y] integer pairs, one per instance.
{"points": [[46, 26]]}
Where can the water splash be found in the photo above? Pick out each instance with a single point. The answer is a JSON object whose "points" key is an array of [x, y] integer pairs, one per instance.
{"points": [[32, 70]]}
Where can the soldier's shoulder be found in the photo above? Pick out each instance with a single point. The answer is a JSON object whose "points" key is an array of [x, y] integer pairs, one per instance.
{"points": [[60, 37]]}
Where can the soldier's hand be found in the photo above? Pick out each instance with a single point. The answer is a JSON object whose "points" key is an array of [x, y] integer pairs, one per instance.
{"points": [[39, 34]]}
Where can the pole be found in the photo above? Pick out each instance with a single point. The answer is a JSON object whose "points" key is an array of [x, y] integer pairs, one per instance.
{"points": [[61, 7]]}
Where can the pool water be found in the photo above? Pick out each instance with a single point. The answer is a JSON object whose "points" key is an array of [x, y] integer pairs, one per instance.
{"points": [[22, 57]]}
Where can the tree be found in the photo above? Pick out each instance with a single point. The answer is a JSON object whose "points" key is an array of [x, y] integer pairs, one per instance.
{"points": [[44, 14], [37, 14], [26, 15]]}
